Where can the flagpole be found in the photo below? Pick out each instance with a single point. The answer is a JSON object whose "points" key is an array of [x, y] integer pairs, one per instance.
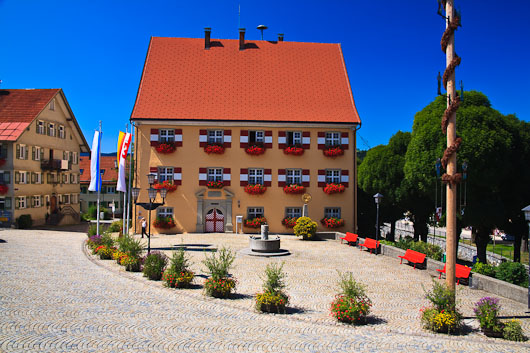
{"points": [[98, 179], [130, 174], [125, 193]]}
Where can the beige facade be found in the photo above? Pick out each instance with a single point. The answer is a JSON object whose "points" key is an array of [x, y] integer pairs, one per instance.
{"points": [[42, 167], [192, 202]]}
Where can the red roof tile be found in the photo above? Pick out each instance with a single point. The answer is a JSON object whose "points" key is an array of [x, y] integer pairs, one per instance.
{"points": [[106, 163], [18, 108], [268, 81]]}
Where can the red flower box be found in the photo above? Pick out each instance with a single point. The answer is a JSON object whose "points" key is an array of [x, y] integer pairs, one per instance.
{"points": [[255, 150], [294, 189], [294, 150], [333, 151], [332, 188], [166, 147], [215, 149], [215, 184], [332, 222], [289, 222], [164, 222], [255, 222], [168, 185], [256, 189], [3, 189]]}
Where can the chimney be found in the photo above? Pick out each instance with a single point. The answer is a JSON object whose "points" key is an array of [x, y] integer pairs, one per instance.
{"points": [[241, 39], [207, 32], [280, 37]]}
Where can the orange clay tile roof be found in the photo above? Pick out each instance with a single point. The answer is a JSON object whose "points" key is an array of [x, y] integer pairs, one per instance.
{"points": [[107, 163], [18, 108], [268, 81]]}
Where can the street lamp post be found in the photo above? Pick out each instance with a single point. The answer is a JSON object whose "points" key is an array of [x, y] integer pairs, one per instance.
{"points": [[526, 211], [151, 205], [377, 198]]}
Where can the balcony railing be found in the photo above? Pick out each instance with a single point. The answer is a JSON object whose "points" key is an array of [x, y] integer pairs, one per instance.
{"points": [[56, 164]]}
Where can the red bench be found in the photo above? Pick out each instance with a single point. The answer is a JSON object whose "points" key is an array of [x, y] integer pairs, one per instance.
{"points": [[350, 238], [462, 272], [413, 257], [370, 244]]}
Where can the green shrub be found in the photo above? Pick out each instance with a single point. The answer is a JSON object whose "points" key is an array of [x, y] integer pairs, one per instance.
{"points": [[273, 299], [180, 262], [351, 305], [130, 246], [442, 316], [107, 240], [154, 265], [350, 287], [513, 272], [92, 230], [115, 227], [24, 221], [441, 296], [513, 331], [93, 212], [219, 263], [484, 269], [305, 228], [430, 250]]}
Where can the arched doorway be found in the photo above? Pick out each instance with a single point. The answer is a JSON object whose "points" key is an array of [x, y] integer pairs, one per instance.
{"points": [[214, 221]]}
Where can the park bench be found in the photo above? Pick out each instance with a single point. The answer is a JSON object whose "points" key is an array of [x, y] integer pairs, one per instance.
{"points": [[369, 244], [462, 272], [413, 257], [350, 238]]}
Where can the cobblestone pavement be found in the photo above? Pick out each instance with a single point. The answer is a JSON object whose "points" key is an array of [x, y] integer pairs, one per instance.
{"points": [[56, 298]]}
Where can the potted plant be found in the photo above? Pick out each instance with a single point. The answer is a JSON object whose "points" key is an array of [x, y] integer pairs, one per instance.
{"points": [[214, 184], [294, 189], [178, 274], [487, 311], [166, 147], [214, 149], [255, 222], [294, 150], [220, 283], [154, 265], [273, 299], [255, 150], [306, 228], [166, 184], [332, 222], [133, 249], [164, 222], [333, 151], [255, 189], [351, 305], [333, 188], [442, 316], [289, 222]]}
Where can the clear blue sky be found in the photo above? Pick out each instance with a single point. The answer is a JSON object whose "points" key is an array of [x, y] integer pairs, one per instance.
{"points": [[95, 50]]}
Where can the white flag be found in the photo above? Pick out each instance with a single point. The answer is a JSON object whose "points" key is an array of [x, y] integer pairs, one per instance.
{"points": [[95, 176]]}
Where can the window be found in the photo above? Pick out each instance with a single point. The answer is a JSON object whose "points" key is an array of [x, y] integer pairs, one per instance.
{"points": [[62, 133], [66, 199], [5, 203], [215, 136], [254, 212], [36, 178], [164, 212], [84, 189], [111, 189], [52, 104], [36, 200], [51, 129], [294, 138], [293, 212], [72, 178], [294, 176], [330, 212], [22, 152], [255, 176], [333, 176], [75, 198], [22, 177], [5, 177], [215, 174], [81, 171], [65, 178], [256, 137], [332, 138], [21, 202], [76, 158], [165, 173], [167, 135], [41, 127], [3, 150], [36, 153]]}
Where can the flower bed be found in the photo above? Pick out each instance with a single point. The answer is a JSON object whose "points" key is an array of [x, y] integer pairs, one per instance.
{"points": [[332, 222], [166, 184], [255, 222], [177, 280], [255, 189], [294, 189], [164, 222], [350, 310], [215, 184], [332, 188], [333, 151], [215, 149], [3, 189], [442, 316], [289, 222], [166, 147], [219, 288], [255, 150], [294, 150]]}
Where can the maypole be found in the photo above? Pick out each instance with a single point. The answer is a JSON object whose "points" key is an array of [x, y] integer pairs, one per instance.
{"points": [[451, 177]]}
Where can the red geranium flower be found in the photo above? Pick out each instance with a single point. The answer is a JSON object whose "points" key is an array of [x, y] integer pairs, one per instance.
{"points": [[289, 222], [332, 188], [166, 184], [255, 150], [294, 189], [166, 147], [256, 189], [332, 222], [216, 149], [294, 150], [333, 151], [215, 184], [255, 222]]}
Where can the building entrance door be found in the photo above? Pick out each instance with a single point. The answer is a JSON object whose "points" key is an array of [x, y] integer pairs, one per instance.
{"points": [[53, 204], [214, 221]]}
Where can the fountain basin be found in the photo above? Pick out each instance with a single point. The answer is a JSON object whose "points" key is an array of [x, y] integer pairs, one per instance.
{"points": [[265, 247]]}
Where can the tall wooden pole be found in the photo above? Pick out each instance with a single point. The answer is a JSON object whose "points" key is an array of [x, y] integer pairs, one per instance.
{"points": [[451, 165]]}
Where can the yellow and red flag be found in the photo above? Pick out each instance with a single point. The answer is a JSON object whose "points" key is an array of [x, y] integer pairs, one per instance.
{"points": [[124, 141]]}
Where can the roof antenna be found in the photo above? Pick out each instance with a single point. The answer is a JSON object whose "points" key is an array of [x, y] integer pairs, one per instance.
{"points": [[262, 28]]}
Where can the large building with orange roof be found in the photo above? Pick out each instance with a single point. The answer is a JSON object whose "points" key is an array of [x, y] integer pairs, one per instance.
{"points": [[245, 128], [39, 157]]}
